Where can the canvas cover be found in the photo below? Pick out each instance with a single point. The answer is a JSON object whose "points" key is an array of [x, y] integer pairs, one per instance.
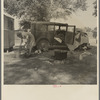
{"points": [[79, 39]]}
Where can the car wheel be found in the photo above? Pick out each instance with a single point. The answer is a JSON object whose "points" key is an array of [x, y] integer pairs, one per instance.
{"points": [[43, 45]]}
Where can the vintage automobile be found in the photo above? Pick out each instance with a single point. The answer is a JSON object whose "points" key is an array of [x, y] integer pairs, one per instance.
{"points": [[52, 34]]}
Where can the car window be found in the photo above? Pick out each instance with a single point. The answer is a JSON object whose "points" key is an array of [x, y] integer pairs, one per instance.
{"points": [[41, 28], [63, 28], [50, 27], [10, 24], [70, 29], [56, 27]]}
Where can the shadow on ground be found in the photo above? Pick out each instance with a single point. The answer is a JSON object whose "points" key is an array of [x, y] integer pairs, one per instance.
{"points": [[43, 69]]}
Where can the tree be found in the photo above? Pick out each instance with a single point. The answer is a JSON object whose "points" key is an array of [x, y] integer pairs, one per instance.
{"points": [[94, 32], [95, 8], [87, 29], [43, 10]]}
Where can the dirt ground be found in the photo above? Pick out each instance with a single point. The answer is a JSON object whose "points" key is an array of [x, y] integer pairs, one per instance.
{"points": [[43, 69]]}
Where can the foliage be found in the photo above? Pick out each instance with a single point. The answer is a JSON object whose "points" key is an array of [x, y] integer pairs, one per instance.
{"points": [[43, 10], [25, 24], [95, 8], [94, 32], [87, 29]]}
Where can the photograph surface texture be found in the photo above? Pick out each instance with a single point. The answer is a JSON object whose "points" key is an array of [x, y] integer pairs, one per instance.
{"points": [[50, 42]]}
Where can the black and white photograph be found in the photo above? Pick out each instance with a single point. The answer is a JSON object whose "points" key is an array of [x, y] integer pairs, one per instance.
{"points": [[50, 42]]}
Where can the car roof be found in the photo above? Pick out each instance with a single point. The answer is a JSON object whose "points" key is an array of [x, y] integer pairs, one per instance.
{"points": [[49, 23]]}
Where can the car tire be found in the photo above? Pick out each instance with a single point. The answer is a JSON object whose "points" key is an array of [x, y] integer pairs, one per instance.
{"points": [[43, 45]]}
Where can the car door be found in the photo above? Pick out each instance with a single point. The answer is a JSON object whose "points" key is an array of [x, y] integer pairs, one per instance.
{"points": [[69, 38]]}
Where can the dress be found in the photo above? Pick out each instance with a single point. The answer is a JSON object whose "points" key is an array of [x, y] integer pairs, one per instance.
{"points": [[30, 40]]}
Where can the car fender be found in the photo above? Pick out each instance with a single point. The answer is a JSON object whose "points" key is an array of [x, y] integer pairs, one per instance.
{"points": [[43, 37]]}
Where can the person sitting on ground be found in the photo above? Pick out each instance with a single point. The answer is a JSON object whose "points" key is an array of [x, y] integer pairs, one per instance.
{"points": [[30, 40]]}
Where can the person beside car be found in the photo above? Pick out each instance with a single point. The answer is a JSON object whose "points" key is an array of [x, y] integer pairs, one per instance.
{"points": [[29, 40]]}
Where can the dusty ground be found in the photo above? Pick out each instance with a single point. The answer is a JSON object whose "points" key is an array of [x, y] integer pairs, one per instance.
{"points": [[43, 69]]}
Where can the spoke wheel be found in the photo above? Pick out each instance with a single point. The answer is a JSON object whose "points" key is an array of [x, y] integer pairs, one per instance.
{"points": [[43, 45]]}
